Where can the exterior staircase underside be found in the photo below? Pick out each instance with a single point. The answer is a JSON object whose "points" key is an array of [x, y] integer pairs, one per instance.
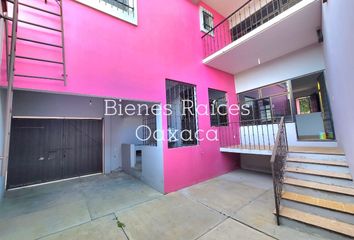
{"points": [[318, 191]]}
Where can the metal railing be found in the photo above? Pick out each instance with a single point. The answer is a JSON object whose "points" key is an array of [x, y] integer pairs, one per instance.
{"points": [[248, 17], [254, 134], [277, 162]]}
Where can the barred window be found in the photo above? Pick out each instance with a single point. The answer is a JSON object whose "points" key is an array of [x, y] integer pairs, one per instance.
{"points": [[149, 133], [182, 122], [125, 5], [123, 9], [206, 20], [218, 108]]}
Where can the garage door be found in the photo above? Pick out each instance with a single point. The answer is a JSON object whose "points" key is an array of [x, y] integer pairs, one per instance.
{"points": [[44, 150]]}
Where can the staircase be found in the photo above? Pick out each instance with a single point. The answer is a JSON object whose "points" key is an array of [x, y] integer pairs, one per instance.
{"points": [[318, 194]]}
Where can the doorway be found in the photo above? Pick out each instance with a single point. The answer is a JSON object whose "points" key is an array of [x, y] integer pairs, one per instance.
{"points": [[45, 150], [312, 109]]}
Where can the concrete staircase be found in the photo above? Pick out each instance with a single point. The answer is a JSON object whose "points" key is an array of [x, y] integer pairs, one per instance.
{"points": [[318, 194]]}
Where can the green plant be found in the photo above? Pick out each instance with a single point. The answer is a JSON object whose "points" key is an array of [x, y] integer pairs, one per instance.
{"points": [[119, 223]]}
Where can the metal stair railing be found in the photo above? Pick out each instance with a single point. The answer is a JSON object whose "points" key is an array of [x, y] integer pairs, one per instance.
{"points": [[278, 161]]}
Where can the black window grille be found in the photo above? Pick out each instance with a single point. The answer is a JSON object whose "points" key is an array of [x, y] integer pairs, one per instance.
{"points": [[126, 6], [181, 121], [218, 108], [208, 20], [150, 127]]}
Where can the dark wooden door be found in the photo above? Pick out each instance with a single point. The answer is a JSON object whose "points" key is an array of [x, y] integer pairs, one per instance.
{"points": [[82, 148], [44, 150]]}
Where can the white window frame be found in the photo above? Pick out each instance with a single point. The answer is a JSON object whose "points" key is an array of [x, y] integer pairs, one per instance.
{"points": [[201, 10], [114, 11]]}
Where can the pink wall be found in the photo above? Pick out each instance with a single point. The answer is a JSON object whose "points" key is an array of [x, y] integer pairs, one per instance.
{"points": [[221, 35], [111, 58]]}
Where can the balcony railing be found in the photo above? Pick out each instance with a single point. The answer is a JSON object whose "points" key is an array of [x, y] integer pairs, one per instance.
{"points": [[248, 17], [255, 134]]}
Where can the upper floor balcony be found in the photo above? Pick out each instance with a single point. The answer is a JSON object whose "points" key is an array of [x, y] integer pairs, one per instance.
{"points": [[260, 31]]}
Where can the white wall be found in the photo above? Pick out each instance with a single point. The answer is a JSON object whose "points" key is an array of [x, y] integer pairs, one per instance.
{"points": [[122, 131], [299, 63], [310, 124], [338, 19], [266, 136], [152, 156]]}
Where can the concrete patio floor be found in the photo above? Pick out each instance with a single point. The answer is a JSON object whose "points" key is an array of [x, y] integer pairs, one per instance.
{"points": [[237, 205]]}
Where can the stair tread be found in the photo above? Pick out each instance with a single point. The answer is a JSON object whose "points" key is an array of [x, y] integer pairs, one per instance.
{"points": [[320, 186], [319, 202], [322, 173], [317, 150], [322, 162], [318, 221]]}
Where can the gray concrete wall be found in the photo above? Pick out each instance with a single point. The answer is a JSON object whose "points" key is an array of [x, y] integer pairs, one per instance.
{"points": [[259, 163], [338, 19], [152, 161], [56, 105]]}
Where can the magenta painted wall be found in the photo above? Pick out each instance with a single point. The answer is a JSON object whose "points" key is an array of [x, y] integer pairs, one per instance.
{"points": [[111, 58]]}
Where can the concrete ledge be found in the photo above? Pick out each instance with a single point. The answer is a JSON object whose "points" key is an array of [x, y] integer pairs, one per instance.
{"points": [[246, 151]]}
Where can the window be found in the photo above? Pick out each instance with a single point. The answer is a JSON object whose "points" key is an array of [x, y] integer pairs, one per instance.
{"points": [[304, 105], [275, 89], [206, 20], [149, 120], [182, 122], [308, 104], [122, 9], [218, 108], [268, 103]]}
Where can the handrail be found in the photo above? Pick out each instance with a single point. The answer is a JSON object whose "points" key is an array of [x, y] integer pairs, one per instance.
{"points": [[225, 19], [251, 15], [277, 162], [251, 134]]}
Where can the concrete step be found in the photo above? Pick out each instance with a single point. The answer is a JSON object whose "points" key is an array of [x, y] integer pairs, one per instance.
{"points": [[329, 174], [318, 233], [317, 150], [319, 202], [319, 186], [338, 163], [317, 156], [319, 194], [310, 166], [319, 211], [320, 179], [318, 221]]}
